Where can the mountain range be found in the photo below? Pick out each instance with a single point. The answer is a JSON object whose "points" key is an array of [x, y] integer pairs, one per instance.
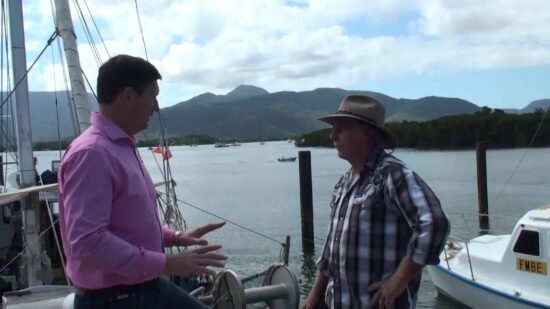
{"points": [[249, 111]]}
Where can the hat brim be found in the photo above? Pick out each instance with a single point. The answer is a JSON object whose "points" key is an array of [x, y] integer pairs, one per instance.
{"points": [[390, 140]]}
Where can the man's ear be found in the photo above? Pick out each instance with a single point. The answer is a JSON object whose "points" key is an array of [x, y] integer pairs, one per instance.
{"points": [[126, 95], [129, 93]]}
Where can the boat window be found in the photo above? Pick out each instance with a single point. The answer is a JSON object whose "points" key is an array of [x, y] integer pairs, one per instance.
{"points": [[528, 243]]}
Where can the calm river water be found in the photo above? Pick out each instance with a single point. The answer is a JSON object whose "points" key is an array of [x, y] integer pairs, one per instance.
{"points": [[248, 186]]}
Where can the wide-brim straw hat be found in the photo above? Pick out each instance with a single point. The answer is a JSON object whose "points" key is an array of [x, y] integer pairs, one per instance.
{"points": [[365, 109]]}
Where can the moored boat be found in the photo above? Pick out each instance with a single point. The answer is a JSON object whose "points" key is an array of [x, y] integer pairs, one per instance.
{"points": [[499, 271]]}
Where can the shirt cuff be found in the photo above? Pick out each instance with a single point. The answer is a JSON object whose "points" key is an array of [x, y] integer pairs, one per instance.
{"points": [[322, 266], [153, 264], [167, 236]]}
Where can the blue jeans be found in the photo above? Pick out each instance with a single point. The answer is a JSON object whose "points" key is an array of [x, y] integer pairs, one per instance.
{"points": [[162, 295]]}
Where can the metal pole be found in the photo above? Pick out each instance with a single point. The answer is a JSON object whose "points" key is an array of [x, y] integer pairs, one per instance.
{"points": [[482, 199], [64, 25], [265, 293], [23, 115], [306, 201], [32, 266]]}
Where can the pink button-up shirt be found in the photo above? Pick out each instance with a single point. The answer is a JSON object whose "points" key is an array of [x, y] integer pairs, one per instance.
{"points": [[108, 212]]}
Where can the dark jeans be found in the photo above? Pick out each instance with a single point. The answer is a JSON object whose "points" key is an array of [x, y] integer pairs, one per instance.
{"points": [[161, 295]]}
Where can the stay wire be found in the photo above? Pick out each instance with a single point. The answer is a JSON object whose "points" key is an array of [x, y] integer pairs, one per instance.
{"points": [[522, 157], [87, 32], [97, 29], [141, 31], [27, 247], [169, 179], [70, 106], [52, 37], [230, 221]]}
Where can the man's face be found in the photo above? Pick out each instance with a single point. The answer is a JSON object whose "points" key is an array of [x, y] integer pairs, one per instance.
{"points": [[350, 138], [143, 106]]}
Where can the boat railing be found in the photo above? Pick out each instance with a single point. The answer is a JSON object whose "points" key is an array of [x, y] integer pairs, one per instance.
{"points": [[455, 243], [501, 225], [498, 224]]}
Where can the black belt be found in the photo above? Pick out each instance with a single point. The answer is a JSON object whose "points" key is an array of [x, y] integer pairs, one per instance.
{"points": [[117, 289]]}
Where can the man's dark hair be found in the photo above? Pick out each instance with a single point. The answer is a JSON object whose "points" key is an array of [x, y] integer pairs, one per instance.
{"points": [[124, 71]]}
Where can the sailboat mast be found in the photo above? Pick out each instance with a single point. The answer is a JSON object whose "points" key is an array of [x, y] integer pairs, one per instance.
{"points": [[64, 25], [33, 274], [22, 109]]}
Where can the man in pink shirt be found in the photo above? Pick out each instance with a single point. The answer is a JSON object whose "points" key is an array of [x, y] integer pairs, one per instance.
{"points": [[109, 222]]}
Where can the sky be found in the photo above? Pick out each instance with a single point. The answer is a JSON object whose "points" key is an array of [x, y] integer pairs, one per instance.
{"points": [[492, 53]]}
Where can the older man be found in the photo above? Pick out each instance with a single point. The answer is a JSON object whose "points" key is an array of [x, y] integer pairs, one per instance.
{"points": [[386, 223]]}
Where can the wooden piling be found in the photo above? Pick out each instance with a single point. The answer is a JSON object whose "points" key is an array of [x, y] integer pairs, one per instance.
{"points": [[482, 200], [1, 171], [306, 200], [287, 250]]}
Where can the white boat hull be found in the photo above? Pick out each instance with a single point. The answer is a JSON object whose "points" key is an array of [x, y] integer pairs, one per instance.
{"points": [[475, 294]]}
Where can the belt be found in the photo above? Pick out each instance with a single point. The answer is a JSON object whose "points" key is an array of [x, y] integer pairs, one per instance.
{"points": [[117, 289]]}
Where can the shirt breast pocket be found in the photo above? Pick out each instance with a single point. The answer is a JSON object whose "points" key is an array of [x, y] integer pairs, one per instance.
{"points": [[367, 200]]}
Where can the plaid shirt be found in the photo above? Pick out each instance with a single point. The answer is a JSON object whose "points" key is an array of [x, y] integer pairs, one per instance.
{"points": [[387, 215]]}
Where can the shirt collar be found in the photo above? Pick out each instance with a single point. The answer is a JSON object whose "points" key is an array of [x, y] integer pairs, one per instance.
{"points": [[374, 157], [111, 129]]}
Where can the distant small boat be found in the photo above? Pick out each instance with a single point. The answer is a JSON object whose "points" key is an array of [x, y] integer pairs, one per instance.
{"points": [[218, 145], [262, 143], [289, 159]]}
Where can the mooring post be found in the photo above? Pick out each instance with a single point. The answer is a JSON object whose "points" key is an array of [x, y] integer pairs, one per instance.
{"points": [[306, 200], [287, 250], [482, 200], [1, 171]]}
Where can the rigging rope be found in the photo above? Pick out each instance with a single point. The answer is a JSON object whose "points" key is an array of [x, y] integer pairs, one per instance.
{"points": [[88, 33], [52, 37], [65, 79], [141, 31], [56, 108], [229, 221], [97, 29], [27, 247], [522, 157]]}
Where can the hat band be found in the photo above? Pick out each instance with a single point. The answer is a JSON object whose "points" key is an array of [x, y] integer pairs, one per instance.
{"points": [[357, 115]]}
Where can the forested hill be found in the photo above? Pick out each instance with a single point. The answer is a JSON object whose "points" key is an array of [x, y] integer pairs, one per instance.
{"points": [[250, 111], [498, 129], [246, 111]]}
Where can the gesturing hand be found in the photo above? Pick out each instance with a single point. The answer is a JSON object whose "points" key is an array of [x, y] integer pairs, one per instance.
{"points": [[194, 262], [194, 236]]}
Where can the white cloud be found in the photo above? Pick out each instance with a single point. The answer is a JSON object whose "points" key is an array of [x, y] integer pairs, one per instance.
{"points": [[299, 45]]}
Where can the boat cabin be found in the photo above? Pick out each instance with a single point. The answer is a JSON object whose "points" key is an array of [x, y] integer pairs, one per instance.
{"points": [[518, 261]]}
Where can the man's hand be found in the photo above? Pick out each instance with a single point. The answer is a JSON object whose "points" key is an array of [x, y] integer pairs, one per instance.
{"points": [[316, 295], [194, 236], [387, 291], [194, 262], [311, 301]]}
